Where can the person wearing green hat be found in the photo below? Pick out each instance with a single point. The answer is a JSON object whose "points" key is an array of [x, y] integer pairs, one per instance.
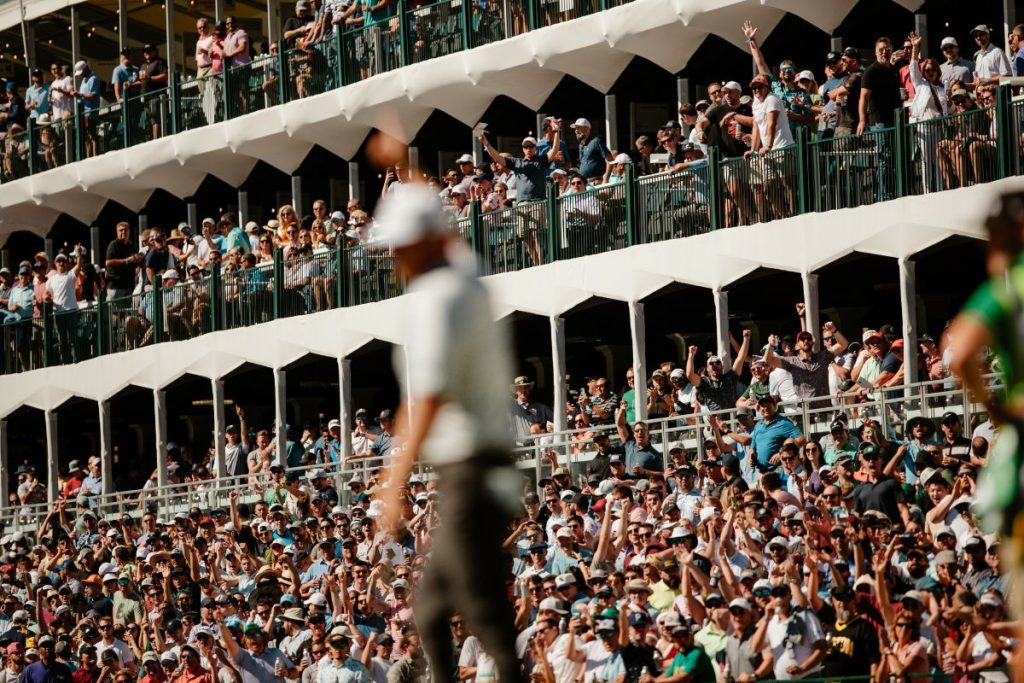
{"points": [[340, 667], [257, 662]]}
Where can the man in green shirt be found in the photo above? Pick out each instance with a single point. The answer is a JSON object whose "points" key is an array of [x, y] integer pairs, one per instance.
{"points": [[629, 397], [691, 664]]}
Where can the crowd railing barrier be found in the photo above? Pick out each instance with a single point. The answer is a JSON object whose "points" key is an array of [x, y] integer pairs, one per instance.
{"points": [[411, 33], [537, 456], [818, 175]]}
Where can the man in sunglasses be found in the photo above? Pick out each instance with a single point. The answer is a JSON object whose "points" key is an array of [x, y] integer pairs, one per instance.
{"points": [[744, 663], [878, 491], [853, 645]]}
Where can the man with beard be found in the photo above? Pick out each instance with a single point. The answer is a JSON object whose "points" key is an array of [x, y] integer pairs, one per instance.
{"points": [[665, 592], [853, 641]]}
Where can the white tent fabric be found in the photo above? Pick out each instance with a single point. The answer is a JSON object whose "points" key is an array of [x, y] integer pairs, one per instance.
{"points": [[803, 244], [594, 49]]}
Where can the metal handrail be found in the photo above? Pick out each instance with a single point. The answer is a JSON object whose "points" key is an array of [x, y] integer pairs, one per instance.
{"points": [[567, 447]]}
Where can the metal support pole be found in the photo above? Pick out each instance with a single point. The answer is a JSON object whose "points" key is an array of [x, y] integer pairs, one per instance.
{"points": [[1009, 21], [540, 124], [160, 428], [94, 245], [273, 21], [5, 258], [122, 24], [218, 10], [5, 463], [836, 43], [811, 305], [52, 464], [413, 159], [219, 425], [297, 195], [345, 405], [143, 227], [76, 41], [280, 414], [611, 123], [558, 370], [30, 53], [682, 90], [243, 208], [921, 28], [192, 217], [353, 181], [478, 152], [724, 350], [908, 309], [638, 336], [106, 447], [48, 248], [169, 54]]}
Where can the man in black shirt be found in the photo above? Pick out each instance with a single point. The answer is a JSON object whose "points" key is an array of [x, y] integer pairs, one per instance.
{"points": [[299, 25], [122, 262], [879, 99], [853, 641], [152, 80], [722, 128], [877, 491], [880, 90]]}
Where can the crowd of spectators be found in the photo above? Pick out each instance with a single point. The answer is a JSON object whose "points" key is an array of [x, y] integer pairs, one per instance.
{"points": [[849, 93], [769, 552]]}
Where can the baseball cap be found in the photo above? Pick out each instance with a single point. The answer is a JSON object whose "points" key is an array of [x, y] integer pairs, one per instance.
{"points": [[410, 216], [980, 28], [80, 67], [733, 85], [529, 140], [833, 57], [581, 123]]}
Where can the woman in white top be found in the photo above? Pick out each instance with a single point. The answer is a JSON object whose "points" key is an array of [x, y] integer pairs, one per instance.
{"points": [[771, 131], [929, 102]]}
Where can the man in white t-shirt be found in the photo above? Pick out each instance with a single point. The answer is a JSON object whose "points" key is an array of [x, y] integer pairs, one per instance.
{"points": [[475, 665], [60, 291], [772, 125], [794, 636]]}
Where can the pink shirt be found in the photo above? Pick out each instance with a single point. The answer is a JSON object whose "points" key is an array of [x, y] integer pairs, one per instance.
{"points": [[203, 47], [232, 41]]}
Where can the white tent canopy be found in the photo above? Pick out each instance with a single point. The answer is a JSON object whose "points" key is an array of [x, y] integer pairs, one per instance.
{"points": [[527, 68], [803, 244]]}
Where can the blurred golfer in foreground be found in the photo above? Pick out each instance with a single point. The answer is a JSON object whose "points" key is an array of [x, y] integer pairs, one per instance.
{"points": [[455, 368]]}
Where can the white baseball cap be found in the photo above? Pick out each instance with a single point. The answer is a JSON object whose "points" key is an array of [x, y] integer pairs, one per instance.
{"points": [[733, 85], [622, 158], [581, 123], [408, 217], [949, 40], [80, 67], [805, 75]]}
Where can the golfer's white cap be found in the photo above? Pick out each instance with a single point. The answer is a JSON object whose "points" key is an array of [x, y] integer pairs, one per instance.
{"points": [[410, 215]]}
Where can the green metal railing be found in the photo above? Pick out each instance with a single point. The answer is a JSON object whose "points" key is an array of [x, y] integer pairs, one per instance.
{"points": [[405, 35], [671, 205], [704, 195], [592, 221]]}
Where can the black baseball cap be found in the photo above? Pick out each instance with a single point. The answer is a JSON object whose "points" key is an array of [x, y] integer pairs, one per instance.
{"points": [[833, 57], [852, 53]]}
